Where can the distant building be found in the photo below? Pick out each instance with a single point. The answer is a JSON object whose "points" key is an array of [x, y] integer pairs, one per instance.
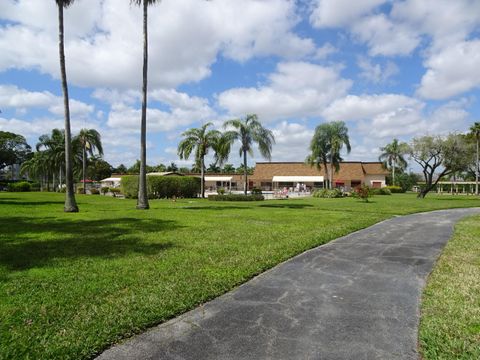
{"points": [[276, 175], [270, 176]]}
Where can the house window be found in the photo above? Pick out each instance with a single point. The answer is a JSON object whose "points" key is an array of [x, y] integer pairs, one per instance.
{"points": [[355, 183], [376, 184]]}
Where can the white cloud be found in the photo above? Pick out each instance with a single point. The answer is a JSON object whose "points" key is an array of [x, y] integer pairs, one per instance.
{"points": [[452, 71], [296, 89], [104, 39], [354, 107], [325, 51], [13, 97], [336, 13], [376, 73], [385, 37], [292, 141]]}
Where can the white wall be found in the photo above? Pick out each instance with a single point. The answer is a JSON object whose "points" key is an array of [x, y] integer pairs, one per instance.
{"points": [[369, 179]]}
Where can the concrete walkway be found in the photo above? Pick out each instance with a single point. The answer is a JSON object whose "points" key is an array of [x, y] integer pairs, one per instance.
{"points": [[354, 298]]}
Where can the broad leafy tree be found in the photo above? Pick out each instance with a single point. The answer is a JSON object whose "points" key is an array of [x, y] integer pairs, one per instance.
{"points": [[70, 202], [98, 168], [249, 131], [200, 141], [90, 142], [393, 157], [13, 149], [439, 157]]}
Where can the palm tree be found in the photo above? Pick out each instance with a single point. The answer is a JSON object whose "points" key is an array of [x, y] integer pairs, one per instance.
{"points": [[338, 139], [392, 156], [142, 202], [320, 149], [249, 131], [90, 142], [475, 131], [70, 203], [52, 148], [326, 145], [201, 141]]}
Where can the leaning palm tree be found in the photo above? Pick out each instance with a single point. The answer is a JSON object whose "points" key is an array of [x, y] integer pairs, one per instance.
{"points": [[90, 141], [393, 156], [249, 131], [338, 136], [70, 203], [201, 141], [475, 131], [142, 202], [320, 150]]}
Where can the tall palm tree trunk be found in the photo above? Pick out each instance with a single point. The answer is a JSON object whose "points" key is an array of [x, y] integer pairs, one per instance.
{"points": [[393, 172], [331, 172], [84, 169], [142, 202], [476, 169], [245, 172], [202, 174], [70, 203]]}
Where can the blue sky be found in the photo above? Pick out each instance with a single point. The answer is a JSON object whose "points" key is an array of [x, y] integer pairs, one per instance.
{"points": [[387, 68]]}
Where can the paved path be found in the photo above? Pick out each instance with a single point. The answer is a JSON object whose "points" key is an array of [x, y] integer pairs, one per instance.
{"points": [[354, 298]]}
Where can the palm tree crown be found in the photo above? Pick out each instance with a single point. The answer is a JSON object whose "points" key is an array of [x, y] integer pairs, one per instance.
{"points": [[249, 131], [201, 141], [393, 158], [326, 146], [89, 140]]}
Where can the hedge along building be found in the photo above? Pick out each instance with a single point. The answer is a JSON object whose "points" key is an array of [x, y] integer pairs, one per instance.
{"points": [[278, 175]]}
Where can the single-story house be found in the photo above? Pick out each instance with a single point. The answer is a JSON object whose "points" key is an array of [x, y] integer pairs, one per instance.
{"points": [[278, 175], [112, 181]]}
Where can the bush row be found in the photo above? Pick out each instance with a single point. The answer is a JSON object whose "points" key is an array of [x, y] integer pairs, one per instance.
{"points": [[327, 193], [160, 187], [382, 191], [395, 189], [22, 186], [236, 197]]}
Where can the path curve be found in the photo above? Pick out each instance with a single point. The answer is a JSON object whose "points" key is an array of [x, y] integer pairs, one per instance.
{"points": [[354, 298]]}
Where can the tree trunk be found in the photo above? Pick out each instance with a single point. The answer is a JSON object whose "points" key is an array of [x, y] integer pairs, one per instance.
{"points": [[202, 174], [245, 172], [331, 172], [84, 169], [476, 170], [327, 175], [60, 177], [393, 173], [142, 202], [70, 203]]}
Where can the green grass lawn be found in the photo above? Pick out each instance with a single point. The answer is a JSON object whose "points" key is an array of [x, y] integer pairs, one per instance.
{"points": [[72, 284], [450, 324]]}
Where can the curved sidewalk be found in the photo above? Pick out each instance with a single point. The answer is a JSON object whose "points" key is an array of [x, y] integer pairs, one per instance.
{"points": [[354, 298]]}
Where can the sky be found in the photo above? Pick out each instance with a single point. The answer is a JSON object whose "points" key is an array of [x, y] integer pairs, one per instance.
{"points": [[388, 68]]}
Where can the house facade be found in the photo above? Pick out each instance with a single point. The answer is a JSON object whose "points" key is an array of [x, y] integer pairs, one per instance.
{"points": [[271, 176]]}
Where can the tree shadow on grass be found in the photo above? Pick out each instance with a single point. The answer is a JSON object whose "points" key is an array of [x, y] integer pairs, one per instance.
{"points": [[226, 207], [35, 242], [11, 201], [286, 206]]}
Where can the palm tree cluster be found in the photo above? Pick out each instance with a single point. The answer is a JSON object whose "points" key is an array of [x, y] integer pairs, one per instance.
{"points": [[393, 157], [246, 131], [326, 146], [48, 162]]}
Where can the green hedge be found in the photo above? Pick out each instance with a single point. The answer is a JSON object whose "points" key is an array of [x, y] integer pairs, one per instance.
{"points": [[327, 193], [160, 187], [394, 189], [236, 197], [382, 191], [22, 186]]}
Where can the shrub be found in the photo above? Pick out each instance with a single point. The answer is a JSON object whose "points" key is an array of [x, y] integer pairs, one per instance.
{"points": [[327, 193], [362, 192], [382, 191], [221, 191], [395, 189], [80, 190], [160, 187], [22, 186], [104, 190], [114, 191], [236, 197], [94, 191], [256, 191]]}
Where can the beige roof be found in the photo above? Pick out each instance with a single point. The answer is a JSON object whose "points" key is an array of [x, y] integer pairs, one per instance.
{"points": [[374, 168], [264, 171]]}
